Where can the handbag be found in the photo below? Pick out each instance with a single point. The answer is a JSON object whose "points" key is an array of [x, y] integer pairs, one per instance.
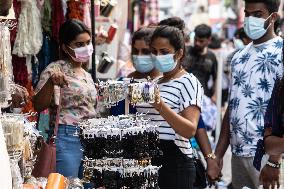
{"points": [[46, 157]]}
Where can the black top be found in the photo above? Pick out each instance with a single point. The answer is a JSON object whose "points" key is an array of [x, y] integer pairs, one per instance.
{"points": [[202, 67]]}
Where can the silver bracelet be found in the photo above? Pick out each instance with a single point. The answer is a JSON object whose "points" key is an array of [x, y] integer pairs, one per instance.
{"points": [[273, 165]]}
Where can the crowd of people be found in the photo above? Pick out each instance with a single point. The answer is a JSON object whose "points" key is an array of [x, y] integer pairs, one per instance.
{"points": [[253, 122]]}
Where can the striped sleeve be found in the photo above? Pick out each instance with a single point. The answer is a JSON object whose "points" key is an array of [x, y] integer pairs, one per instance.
{"points": [[191, 92]]}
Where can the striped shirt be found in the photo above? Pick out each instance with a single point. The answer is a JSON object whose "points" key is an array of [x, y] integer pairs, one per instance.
{"points": [[178, 94]]}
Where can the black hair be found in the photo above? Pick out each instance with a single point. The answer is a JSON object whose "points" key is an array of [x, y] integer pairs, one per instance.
{"points": [[203, 31], [277, 25], [173, 21], [173, 34], [68, 32], [70, 29], [271, 5], [215, 42], [241, 34], [144, 33]]}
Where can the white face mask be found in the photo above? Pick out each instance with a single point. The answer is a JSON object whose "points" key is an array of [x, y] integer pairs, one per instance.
{"points": [[254, 27], [82, 54]]}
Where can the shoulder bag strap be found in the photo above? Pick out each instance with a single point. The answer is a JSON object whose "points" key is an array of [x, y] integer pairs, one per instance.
{"points": [[57, 111]]}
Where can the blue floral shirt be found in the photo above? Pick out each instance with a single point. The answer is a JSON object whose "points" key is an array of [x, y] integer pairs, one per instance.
{"points": [[254, 71]]}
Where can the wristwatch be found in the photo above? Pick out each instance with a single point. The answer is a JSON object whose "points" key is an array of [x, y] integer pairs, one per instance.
{"points": [[273, 164], [210, 156]]}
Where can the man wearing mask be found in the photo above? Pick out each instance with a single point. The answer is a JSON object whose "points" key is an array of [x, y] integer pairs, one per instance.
{"points": [[200, 61], [254, 71]]}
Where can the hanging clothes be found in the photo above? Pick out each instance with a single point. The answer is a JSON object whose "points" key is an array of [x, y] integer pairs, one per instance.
{"points": [[151, 12], [17, 10], [57, 18], [29, 36], [75, 10], [46, 20], [86, 13], [20, 70]]}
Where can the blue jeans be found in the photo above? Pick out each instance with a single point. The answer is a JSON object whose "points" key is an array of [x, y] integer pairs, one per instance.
{"points": [[68, 151]]}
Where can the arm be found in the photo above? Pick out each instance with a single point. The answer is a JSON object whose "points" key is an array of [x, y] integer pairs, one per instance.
{"points": [[274, 145], [213, 169], [270, 176], [203, 141], [224, 139], [42, 99], [185, 124]]}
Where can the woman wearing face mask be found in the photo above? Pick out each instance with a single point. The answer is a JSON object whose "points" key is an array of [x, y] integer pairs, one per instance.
{"points": [[177, 110], [141, 54], [68, 81], [142, 62]]}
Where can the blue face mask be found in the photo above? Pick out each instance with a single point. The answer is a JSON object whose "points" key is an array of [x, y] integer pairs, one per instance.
{"points": [[143, 63], [254, 27], [165, 63]]}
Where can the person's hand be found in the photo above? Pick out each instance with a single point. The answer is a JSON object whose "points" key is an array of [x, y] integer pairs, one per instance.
{"points": [[20, 96], [269, 177], [58, 78], [214, 99], [158, 101], [213, 170]]}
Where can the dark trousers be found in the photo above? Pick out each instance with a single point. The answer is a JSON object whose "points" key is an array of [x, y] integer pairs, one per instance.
{"points": [[178, 170]]}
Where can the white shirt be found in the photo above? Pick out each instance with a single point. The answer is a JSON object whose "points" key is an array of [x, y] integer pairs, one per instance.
{"points": [[178, 94], [254, 70]]}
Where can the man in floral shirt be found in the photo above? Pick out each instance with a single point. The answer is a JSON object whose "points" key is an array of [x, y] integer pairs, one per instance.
{"points": [[254, 71]]}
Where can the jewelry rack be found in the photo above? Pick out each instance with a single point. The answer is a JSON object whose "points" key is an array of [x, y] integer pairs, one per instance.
{"points": [[134, 92], [121, 145]]}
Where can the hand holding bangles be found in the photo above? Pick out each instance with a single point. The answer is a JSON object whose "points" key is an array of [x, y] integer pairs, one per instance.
{"points": [[58, 78], [20, 96]]}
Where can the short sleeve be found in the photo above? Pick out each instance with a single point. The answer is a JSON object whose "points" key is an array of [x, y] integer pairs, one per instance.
{"points": [[191, 92], [45, 75], [201, 124]]}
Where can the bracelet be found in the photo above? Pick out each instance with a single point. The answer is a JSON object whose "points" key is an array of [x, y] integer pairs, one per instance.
{"points": [[273, 165], [210, 156]]}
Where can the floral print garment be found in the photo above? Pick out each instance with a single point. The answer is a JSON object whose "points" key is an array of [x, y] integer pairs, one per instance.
{"points": [[78, 99], [254, 71]]}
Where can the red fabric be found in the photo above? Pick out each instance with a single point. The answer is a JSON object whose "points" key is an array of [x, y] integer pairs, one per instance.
{"points": [[17, 10], [20, 70], [57, 18], [29, 106], [75, 10]]}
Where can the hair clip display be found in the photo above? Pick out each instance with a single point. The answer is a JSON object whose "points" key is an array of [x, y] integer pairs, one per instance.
{"points": [[138, 92], [142, 92], [118, 152], [131, 137], [111, 92], [120, 173]]}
